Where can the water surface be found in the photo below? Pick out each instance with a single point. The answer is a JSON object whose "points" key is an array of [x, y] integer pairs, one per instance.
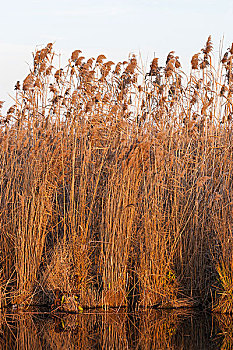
{"points": [[116, 330]]}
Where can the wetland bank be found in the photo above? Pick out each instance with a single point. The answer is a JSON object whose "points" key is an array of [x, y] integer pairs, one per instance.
{"points": [[116, 184]]}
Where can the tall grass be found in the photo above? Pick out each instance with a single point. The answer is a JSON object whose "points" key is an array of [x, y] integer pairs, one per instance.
{"points": [[116, 186]]}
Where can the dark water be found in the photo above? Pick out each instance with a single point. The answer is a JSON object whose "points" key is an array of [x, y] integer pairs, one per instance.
{"points": [[116, 330]]}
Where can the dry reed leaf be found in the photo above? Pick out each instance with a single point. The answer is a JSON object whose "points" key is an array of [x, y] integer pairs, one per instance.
{"points": [[79, 60], [43, 54], [11, 110], [208, 47], [195, 61], [38, 83], [58, 74], [204, 64], [17, 86], [52, 88], [75, 55], [130, 68], [98, 97], [109, 64], [117, 70], [28, 82], [42, 67], [114, 109], [140, 88], [100, 59], [177, 62], [170, 66], [170, 56], [225, 57], [223, 90], [67, 92], [161, 135], [72, 71], [202, 180], [154, 67], [49, 47], [49, 70], [106, 98], [231, 49], [133, 61], [218, 197], [90, 62], [89, 106]]}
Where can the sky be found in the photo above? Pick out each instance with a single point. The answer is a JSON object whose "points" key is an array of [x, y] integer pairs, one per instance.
{"points": [[148, 28]]}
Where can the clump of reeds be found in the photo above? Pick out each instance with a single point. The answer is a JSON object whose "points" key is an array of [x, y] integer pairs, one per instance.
{"points": [[116, 192]]}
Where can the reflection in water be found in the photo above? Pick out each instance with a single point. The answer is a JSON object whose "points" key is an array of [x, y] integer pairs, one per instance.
{"points": [[116, 330]]}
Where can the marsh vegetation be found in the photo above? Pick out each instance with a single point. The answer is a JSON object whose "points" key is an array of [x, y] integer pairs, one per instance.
{"points": [[116, 183]]}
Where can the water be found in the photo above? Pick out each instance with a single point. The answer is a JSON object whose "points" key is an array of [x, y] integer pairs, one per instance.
{"points": [[116, 330]]}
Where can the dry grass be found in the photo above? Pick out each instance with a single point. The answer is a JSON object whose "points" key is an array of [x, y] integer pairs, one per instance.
{"points": [[115, 192]]}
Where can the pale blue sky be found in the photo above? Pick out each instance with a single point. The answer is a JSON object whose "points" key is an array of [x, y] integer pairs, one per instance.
{"points": [[114, 28]]}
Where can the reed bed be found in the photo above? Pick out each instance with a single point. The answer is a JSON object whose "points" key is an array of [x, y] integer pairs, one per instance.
{"points": [[116, 184]]}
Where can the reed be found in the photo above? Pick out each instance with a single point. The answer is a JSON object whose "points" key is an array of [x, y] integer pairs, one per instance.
{"points": [[115, 185]]}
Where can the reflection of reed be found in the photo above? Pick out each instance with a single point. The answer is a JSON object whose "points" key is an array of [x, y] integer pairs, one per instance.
{"points": [[116, 330], [225, 323], [157, 330], [21, 332], [72, 332], [198, 331]]}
